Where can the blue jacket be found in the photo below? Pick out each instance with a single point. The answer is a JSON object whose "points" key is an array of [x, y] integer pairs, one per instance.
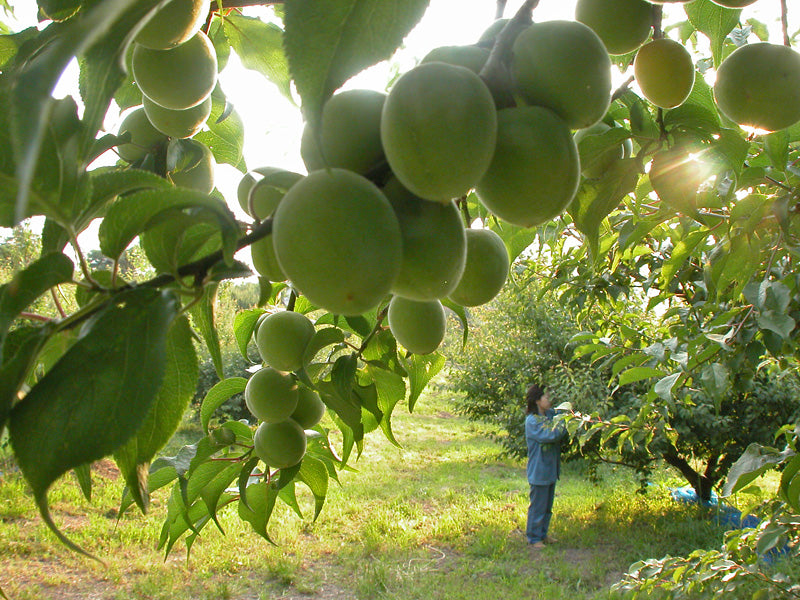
{"points": [[544, 448]]}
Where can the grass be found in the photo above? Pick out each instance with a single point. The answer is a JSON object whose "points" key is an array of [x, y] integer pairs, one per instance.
{"points": [[441, 517]]}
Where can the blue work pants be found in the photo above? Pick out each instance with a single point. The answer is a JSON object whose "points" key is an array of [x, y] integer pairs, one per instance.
{"points": [[540, 511]]}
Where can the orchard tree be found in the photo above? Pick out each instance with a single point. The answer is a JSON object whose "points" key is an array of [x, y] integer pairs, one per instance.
{"points": [[674, 191]]}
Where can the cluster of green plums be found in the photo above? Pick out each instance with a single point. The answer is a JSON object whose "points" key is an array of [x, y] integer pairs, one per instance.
{"points": [[175, 67], [284, 407], [757, 87]]}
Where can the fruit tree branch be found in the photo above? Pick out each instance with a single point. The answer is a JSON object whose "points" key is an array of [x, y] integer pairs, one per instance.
{"points": [[495, 73], [200, 267], [501, 8], [785, 23]]}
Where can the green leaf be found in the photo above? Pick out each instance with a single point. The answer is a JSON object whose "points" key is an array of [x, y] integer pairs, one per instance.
{"points": [[596, 199], [680, 253], [421, 368], [21, 351], [15, 296], [177, 389], [133, 214], [314, 474], [225, 135], [391, 389], [698, 113], [203, 320], [638, 374], [714, 21], [516, 239], [110, 182], [664, 386], [461, 313], [179, 238], [218, 395], [32, 97], [755, 461], [244, 324], [259, 45], [781, 324], [322, 338], [97, 396], [329, 41], [83, 473], [256, 507], [213, 491], [716, 379]]}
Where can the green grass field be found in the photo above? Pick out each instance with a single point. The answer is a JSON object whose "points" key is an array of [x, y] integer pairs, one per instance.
{"points": [[442, 517]]}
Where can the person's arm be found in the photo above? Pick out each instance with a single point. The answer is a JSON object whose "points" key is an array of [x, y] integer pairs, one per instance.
{"points": [[543, 430]]}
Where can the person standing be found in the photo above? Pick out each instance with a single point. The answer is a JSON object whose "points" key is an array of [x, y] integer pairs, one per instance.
{"points": [[543, 438]]}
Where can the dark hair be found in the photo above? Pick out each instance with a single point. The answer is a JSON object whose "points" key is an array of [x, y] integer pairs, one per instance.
{"points": [[535, 392]]}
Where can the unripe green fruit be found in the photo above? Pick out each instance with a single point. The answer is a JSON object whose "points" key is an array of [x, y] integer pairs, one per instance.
{"points": [[439, 128], [758, 86], [280, 445], [177, 123], [563, 66], [173, 24], [434, 244], [338, 241], [486, 269], [665, 72], [602, 162], [270, 395], [623, 25], [267, 192], [417, 326], [349, 135], [178, 78], [282, 339], [265, 261], [310, 408], [198, 174], [535, 171], [471, 57], [144, 137]]}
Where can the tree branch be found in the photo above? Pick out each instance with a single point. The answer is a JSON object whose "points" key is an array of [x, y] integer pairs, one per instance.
{"points": [[785, 23], [495, 73], [200, 268]]}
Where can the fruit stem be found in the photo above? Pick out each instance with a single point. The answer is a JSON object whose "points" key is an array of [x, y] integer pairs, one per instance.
{"points": [[496, 73], [501, 8], [378, 326], [658, 14], [785, 23]]}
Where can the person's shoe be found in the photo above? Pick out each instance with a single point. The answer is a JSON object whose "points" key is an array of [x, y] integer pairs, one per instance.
{"points": [[536, 545], [550, 540]]}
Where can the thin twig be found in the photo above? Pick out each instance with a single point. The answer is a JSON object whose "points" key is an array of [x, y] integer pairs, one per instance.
{"points": [[57, 302], [785, 23], [501, 8]]}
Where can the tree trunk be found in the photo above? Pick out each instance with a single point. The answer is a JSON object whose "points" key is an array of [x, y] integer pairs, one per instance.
{"points": [[702, 484]]}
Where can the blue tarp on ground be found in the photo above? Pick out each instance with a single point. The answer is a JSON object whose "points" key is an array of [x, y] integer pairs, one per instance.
{"points": [[726, 516]]}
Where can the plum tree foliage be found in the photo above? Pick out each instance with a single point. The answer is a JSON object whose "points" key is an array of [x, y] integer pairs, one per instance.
{"points": [[712, 254]]}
